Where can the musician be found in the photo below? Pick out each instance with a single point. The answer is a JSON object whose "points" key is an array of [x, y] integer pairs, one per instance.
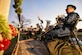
{"points": [[67, 23], [30, 32], [38, 28], [61, 33], [47, 26]]}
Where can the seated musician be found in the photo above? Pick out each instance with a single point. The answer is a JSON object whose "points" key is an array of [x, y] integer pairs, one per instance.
{"points": [[61, 33], [67, 23]]}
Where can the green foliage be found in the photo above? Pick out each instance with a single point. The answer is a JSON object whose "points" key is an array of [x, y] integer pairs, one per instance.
{"points": [[18, 1], [17, 7], [18, 11], [4, 28]]}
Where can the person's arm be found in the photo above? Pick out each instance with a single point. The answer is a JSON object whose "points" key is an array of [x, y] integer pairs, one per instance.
{"points": [[71, 19]]}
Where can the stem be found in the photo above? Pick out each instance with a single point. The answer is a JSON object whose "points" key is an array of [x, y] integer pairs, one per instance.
{"points": [[19, 17], [19, 27]]}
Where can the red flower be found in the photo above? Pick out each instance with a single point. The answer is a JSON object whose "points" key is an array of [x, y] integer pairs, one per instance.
{"points": [[4, 44], [13, 29], [1, 46]]}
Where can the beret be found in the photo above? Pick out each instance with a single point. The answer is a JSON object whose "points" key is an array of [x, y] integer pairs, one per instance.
{"points": [[72, 6]]}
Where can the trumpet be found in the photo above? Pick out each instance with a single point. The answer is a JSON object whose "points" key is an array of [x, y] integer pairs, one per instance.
{"points": [[59, 19]]}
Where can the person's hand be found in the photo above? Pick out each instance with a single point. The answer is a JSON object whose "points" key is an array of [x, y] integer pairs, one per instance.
{"points": [[59, 16]]}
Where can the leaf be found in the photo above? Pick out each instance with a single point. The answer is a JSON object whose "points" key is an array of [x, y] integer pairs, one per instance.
{"points": [[4, 28]]}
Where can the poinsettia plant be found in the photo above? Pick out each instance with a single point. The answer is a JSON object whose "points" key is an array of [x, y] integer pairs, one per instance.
{"points": [[7, 32]]}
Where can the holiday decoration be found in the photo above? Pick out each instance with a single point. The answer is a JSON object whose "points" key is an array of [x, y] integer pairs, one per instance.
{"points": [[7, 32]]}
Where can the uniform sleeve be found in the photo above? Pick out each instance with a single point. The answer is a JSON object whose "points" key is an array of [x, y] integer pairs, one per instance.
{"points": [[71, 19]]}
